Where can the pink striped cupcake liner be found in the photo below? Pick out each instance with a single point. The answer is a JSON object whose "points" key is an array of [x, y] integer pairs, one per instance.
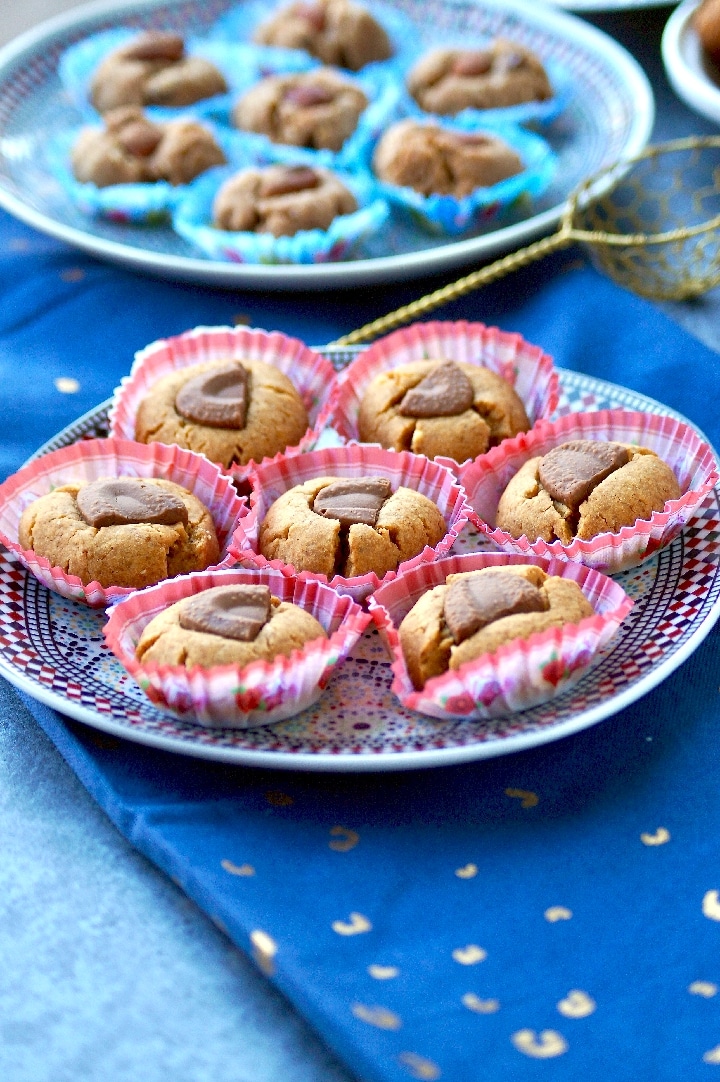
{"points": [[270, 480], [520, 674], [311, 373], [679, 445], [89, 460], [232, 696], [525, 367]]}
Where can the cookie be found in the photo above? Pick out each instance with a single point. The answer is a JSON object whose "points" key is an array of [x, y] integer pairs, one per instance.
{"points": [[124, 531], [477, 612], [131, 149], [706, 22], [446, 81], [439, 161], [317, 109], [440, 407], [337, 32], [349, 526], [282, 200], [584, 488], [227, 625], [231, 411], [154, 69]]}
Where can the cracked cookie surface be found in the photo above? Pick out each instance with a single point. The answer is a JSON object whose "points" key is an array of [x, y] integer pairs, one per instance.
{"points": [[495, 414], [135, 554], [337, 32], [293, 532]]}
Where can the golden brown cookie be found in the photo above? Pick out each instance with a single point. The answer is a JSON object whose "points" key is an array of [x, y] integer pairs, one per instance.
{"points": [[227, 625], [436, 161], [338, 32], [125, 531], [349, 526], [318, 109], [440, 407], [282, 200], [583, 488], [706, 21], [153, 69], [230, 411], [131, 149], [446, 81], [476, 612]]}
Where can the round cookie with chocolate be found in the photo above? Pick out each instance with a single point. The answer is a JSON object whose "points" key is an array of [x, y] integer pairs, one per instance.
{"points": [[339, 32], [349, 526], [227, 625], [477, 612], [317, 109], [131, 149], [583, 488], [154, 69], [433, 160], [505, 73], [282, 200], [121, 531], [231, 411], [440, 407]]}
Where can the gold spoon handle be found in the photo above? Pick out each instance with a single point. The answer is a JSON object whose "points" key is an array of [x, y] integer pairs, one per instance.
{"points": [[451, 292]]}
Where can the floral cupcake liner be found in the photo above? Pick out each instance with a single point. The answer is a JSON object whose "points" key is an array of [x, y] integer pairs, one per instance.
{"points": [[129, 204], [192, 220], [680, 446], [524, 366], [519, 675], [312, 374], [277, 476], [232, 696], [89, 460], [448, 215]]}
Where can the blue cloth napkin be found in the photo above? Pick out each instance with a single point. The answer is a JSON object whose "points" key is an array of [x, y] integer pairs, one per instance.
{"points": [[460, 923]]}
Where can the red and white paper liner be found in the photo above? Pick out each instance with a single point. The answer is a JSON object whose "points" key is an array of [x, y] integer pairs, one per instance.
{"points": [[233, 696], [691, 459], [89, 460], [525, 367], [273, 478], [312, 374], [519, 675]]}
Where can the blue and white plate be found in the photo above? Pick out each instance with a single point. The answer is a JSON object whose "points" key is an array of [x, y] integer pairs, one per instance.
{"points": [[609, 116]]}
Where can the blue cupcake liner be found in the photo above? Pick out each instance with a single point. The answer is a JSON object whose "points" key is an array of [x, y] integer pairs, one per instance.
{"points": [[193, 215], [444, 214], [129, 204], [240, 23], [241, 65]]}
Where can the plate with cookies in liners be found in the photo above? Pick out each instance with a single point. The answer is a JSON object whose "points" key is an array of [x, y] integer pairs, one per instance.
{"points": [[608, 115], [52, 648]]}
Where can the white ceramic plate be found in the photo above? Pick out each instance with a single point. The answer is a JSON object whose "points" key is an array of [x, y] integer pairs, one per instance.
{"points": [[610, 116], [53, 649], [607, 5], [689, 71]]}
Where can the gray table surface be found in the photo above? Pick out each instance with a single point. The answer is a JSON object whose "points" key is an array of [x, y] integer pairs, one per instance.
{"points": [[107, 972]]}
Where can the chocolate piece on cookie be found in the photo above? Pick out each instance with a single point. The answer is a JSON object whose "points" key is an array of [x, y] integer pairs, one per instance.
{"points": [[282, 200]]}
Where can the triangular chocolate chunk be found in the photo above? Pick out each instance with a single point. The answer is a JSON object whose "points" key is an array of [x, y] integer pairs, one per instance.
{"points": [[125, 501], [444, 392], [474, 601], [218, 398], [356, 500], [233, 612], [571, 471]]}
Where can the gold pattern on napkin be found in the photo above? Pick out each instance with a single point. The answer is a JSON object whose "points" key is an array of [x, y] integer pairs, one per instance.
{"points": [[470, 955], [660, 836], [67, 385], [345, 839], [383, 973], [713, 1056], [711, 905], [419, 1067], [480, 1006], [544, 1045], [526, 798], [468, 872], [377, 1016], [556, 913], [577, 1004], [706, 989], [355, 926], [237, 869], [264, 950]]}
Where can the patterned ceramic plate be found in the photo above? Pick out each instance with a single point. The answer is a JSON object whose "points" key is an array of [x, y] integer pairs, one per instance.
{"points": [[53, 649], [609, 116]]}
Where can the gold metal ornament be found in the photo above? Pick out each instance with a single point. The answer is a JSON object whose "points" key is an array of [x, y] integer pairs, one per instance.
{"points": [[650, 222]]}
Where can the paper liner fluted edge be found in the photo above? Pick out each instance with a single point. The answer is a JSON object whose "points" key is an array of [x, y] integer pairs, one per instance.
{"points": [[677, 443], [276, 476], [519, 675], [233, 696], [89, 459]]}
